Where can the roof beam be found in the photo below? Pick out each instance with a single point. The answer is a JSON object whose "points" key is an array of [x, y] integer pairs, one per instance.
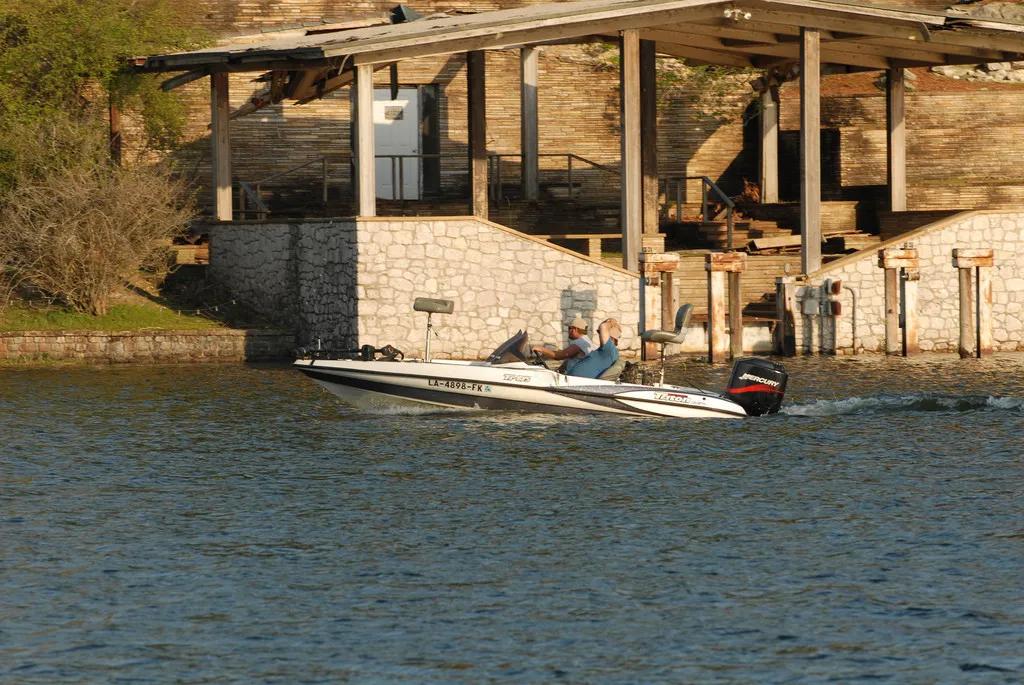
{"points": [[769, 19], [182, 79], [700, 57], [981, 54], [478, 39]]}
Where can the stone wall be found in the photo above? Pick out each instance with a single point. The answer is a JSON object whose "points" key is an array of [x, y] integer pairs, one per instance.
{"points": [[147, 346], [352, 283], [863, 288]]}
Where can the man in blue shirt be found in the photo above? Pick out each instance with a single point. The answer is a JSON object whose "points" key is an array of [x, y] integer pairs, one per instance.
{"points": [[579, 346], [601, 359]]}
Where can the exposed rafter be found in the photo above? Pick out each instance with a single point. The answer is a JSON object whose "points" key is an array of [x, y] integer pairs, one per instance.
{"points": [[740, 33]]}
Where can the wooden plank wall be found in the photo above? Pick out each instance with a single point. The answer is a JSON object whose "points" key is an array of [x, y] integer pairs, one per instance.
{"points": [[578, 112]]}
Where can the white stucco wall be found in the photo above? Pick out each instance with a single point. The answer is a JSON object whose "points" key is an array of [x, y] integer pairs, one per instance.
{"points": [[863, 288]]}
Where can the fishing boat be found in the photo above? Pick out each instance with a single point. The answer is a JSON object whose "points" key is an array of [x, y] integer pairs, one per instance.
{"points": [[511, 380]]}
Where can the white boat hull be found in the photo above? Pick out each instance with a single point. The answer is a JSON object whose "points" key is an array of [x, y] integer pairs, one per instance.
{"points": [[510, 387]]}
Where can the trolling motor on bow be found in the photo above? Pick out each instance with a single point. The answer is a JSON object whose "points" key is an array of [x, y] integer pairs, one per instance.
{"points": [[366, 353], [758, 385]]}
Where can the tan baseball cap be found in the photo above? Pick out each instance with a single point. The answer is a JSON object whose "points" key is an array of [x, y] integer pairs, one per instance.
{"points": [[579, 324]]}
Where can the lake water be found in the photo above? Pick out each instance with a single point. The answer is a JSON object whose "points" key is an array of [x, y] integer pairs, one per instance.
{"points": [[228, 523]]}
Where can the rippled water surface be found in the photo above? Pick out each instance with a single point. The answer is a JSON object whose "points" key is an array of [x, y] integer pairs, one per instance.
{"points": [[201, 524]]}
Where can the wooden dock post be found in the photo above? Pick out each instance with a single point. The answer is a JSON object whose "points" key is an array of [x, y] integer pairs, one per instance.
{"points": [[657, 268], [718, 264], [911, 277], [784, 335], [892, 259], [975, 332]]}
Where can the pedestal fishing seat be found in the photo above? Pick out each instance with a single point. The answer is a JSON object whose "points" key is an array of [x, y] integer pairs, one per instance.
{"points": [[664, 338], [431, 306]]}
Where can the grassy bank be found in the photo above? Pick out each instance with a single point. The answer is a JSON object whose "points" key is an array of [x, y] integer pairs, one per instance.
{"points": [[182, 301], [123, 317]]}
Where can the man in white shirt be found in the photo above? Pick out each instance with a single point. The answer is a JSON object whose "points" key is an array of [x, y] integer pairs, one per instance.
{"points": [[579, 346]]}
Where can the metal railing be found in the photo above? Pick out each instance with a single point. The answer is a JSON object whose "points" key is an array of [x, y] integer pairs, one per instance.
{"points": [[254, 191], [495, 181], [398, 173], [246, 192], [706, 186]]}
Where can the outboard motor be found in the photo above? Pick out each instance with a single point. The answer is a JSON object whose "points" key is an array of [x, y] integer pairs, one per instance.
{"points": [[758, 385]]}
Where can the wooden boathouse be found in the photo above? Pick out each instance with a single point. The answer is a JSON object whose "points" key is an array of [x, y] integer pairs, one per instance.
{"points": [[351, 280]]}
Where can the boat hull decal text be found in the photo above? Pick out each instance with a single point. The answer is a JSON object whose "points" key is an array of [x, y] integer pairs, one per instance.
{"points": [[457, 385], [515, 378], [678, 399]]}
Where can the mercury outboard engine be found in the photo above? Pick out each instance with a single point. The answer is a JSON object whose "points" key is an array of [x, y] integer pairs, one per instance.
{"points": [[758, 386]]}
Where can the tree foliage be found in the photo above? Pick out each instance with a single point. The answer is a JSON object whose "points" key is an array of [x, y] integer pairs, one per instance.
{"points": [[79, 227], [72, 223], [66, 56]]}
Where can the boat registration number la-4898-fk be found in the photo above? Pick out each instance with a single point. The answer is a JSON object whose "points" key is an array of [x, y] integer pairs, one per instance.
{"points": [[457, 385]]}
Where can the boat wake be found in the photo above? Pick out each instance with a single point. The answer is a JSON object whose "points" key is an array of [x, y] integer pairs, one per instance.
{"points": [[415, 410], [887, 404]]}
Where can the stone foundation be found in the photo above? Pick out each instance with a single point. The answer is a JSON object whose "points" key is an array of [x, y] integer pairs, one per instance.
{"points": [[147, 346], [352, 282], [861, 325]]}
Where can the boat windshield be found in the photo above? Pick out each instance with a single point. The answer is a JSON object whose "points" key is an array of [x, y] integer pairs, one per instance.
{"points": [[515, 349]]}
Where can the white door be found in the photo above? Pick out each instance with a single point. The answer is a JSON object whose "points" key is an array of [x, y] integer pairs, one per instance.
{"points": [[396, 131]]}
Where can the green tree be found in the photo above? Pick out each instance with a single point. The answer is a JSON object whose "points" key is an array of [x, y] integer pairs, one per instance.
{"points": [[71, 223], [67, 58]]}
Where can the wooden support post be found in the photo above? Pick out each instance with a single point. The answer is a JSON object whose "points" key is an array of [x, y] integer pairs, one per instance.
{"points": [[529, 129], [669, 300], [784, 335], [911, 277], [477, 133], [896, 141], [810, 149], [717, 344], [735, 315], [984, 320], [115, 132], [632, 190], [220, 136], [893, 259], [717, 265], [366, 162], [976, 342], [649, 137], [965, 347], [769, 147], [655, 268]]}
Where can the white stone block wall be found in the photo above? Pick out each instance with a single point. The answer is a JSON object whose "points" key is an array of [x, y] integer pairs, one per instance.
{"points": [[863, 288], [500, 280], [352, 282]]}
